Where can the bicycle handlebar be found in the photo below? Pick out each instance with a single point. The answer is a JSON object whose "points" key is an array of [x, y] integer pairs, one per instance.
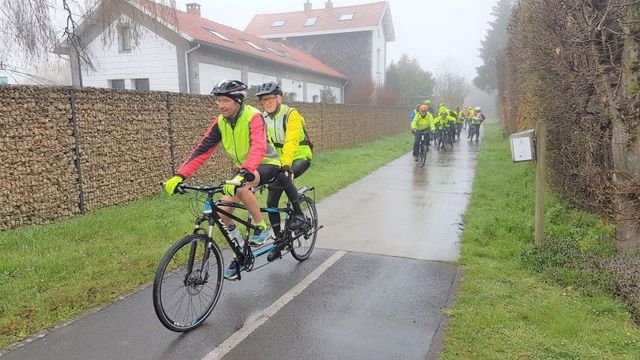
{"points": [[208, 189]]}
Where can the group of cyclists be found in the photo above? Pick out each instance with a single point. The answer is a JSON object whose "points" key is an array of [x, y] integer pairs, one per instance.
{"points": [[271, 146], [445, 125]]}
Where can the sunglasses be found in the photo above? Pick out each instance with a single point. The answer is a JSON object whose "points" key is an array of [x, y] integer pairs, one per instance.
{"points": [[267, 99]]}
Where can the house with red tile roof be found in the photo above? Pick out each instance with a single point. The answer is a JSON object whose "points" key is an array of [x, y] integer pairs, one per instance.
{"points": [[160, 48], [350, 39]]}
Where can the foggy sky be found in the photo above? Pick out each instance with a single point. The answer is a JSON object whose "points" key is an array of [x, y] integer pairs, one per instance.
{"points": [[432, 31]]}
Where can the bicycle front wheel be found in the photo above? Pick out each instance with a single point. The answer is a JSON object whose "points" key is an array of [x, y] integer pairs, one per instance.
{"points": [[302, 247], [423, 154], [188, 283]]}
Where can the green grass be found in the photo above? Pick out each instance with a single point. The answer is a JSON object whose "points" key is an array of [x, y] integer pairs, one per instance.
{"points": [[54, 272], [503, 309]]}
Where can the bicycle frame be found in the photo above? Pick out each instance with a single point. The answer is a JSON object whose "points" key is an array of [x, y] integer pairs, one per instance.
{"points": [[212, 215]]}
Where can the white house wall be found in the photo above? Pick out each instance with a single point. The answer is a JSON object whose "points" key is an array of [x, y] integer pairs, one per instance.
{"points": [[312, 90], [315, 89], [255, 79], [210, 75], [378, 42], [293, 86], [152, 58], [337, 92]]}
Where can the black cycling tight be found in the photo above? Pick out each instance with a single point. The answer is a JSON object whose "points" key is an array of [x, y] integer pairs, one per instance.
{"points": [[282, 183]]}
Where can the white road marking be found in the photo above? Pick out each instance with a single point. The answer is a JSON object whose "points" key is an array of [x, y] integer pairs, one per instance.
{"points": [[237, 337]]}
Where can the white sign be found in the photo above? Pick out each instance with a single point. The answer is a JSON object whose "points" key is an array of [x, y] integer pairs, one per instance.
{"points": [[522, 146], [522, 149]]}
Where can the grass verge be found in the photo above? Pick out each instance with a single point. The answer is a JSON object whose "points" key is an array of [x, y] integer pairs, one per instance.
{"points": [[504, 310], [54, 272]]}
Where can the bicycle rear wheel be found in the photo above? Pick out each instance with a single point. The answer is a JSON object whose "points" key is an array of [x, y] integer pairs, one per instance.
{"points": [[188, 283], [302, 247]]}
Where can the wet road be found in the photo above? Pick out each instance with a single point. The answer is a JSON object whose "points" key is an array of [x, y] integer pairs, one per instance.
{"points": [[369, 291], [402, 209]]}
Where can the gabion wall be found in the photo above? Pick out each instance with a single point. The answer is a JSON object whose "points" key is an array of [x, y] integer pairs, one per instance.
{"points": [[68, 151]]}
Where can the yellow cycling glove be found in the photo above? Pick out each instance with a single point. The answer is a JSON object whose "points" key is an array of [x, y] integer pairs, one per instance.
{"points": [[171, 184], [230, 189]]}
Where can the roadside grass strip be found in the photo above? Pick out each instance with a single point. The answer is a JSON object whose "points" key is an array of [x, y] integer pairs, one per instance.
{"points": [[504, 309]]}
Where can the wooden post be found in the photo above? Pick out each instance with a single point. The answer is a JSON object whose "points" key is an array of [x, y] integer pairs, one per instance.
{"points": [[541, 144]]}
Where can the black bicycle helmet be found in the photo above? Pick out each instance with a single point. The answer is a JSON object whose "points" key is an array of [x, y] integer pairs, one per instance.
{"points": [[235, 89], [269, 88]]}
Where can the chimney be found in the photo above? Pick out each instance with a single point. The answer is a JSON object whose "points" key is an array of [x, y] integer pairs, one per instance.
{"points": [[193, 9], [328, 4], [307, 6]]}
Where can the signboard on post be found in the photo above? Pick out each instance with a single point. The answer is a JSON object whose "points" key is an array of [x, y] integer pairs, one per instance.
{"points": [[530, 145], [522, 146]]}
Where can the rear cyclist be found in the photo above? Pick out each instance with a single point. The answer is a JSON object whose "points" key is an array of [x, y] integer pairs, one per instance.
{"points": [[286, 129]]}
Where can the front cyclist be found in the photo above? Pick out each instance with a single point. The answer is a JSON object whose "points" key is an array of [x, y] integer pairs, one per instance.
{"points": [[421, 124], [286, 129], [241, 129]]}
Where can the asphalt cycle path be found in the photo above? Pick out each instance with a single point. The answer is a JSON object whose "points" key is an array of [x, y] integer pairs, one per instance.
{"points": [[374, 288]]}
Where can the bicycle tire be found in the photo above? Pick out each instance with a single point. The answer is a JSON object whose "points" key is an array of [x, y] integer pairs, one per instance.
{"points": [[173, 266], [423, 154], [302, 247]]}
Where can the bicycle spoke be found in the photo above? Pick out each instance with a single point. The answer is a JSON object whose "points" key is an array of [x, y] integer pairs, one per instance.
{"points": [[184, 299]]}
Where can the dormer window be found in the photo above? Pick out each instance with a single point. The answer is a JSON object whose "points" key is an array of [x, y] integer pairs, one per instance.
{"points": [[213, 32], [346, 17], [278, 23], [254, 45], [311, 21], [279, 53]]}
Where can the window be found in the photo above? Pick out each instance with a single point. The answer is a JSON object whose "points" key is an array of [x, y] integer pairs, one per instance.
{"points": [[213, 32], [346, 17], [378, 61], [278, 23], [279, 53], [311, 21], [116, 84], [141, 84], [254, 45], [125, 38], [316, 98]]}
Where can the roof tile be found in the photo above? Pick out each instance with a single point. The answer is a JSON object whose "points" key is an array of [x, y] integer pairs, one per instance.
{"points": [[201, 29], [364, 16]]}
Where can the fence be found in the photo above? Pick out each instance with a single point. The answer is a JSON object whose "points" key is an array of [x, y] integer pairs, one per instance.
{"points": [[68, 151]]}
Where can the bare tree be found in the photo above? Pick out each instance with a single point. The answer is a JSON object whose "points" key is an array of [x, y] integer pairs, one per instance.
{"points": [[30, 29], [451, 86], [27, 28]]}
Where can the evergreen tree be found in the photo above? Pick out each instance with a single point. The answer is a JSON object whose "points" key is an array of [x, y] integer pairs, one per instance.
{"points": [[493, 46]]}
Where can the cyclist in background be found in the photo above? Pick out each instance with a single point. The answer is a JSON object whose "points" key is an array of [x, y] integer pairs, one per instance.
{"points": [[443, 124], [422, 123], [471, 112], [242, 131], [476, 121], [429, 109], [457, 113], [465, 116], [286, 129]]}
